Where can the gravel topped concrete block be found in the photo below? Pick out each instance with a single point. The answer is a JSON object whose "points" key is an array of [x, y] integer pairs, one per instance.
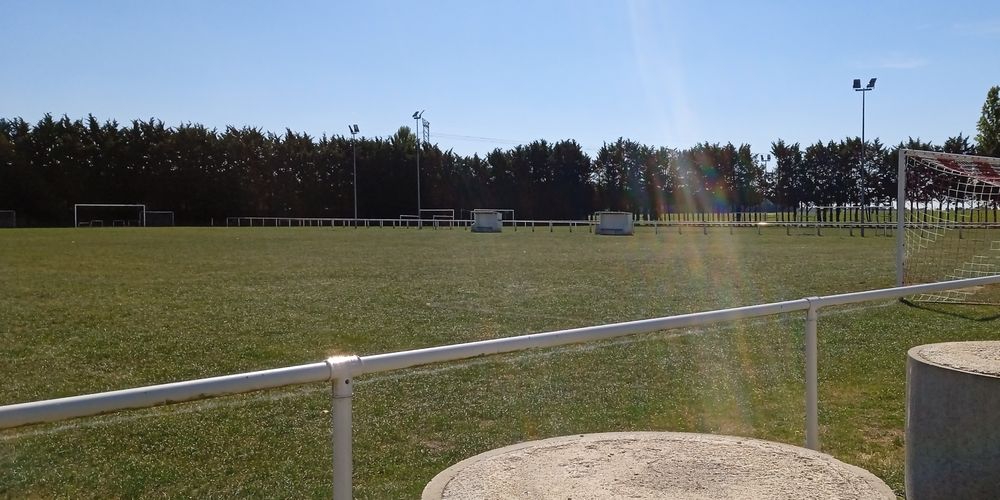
{"points": [[654, 465], [982, 357]]}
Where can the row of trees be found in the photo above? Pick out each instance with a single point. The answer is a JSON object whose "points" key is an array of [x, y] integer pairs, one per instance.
{"points": [[202, 173]]}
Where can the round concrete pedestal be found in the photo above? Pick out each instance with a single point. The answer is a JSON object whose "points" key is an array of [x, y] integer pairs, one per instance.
{"points": [[953, 421], [654, 465]]}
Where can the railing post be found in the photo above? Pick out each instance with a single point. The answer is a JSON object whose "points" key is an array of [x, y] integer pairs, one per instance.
{"points": [[812, 376], [341, 378]]}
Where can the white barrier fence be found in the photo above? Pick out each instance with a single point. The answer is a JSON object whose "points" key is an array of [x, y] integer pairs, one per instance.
{"points": [[341, 370], [800, 227]]}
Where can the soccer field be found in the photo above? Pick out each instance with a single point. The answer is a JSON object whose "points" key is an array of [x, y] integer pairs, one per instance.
{"points": [[93, 310]]}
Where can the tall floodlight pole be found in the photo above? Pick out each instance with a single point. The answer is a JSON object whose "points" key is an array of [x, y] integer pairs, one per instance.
{"points": [[417, 115], [354, 153], [858, 88], [765, 159]]}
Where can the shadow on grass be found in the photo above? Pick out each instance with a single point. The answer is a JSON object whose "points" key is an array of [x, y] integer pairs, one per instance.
{"points": [[974, 312]]}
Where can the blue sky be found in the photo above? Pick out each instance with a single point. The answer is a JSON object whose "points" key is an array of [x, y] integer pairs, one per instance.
{"points": [[660, 72]]}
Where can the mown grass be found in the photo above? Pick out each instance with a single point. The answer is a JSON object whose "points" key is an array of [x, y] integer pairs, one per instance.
{"points": [[91, 310]]}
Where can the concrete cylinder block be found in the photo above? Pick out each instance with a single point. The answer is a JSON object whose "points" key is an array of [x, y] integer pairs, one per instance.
{"points": [[953, 421]]}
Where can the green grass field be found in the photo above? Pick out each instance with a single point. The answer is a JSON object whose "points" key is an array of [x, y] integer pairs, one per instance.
{"points": [[93, 310]]}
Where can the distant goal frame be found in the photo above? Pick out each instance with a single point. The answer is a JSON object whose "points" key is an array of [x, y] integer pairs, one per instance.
{"points": [[166, 214], [486, 220], [78, 206], [614, 223], [13, 218]]}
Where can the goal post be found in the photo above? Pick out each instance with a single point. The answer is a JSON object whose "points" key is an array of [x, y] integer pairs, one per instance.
{"points": [[110, 214], [947, 225]]}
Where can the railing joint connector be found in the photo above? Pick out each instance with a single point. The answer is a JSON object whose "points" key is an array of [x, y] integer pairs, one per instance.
{"points": [[814, 304], [342, 371]]}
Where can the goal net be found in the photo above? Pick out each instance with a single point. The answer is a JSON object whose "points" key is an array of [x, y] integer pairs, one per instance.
{"points": [[947, 225], [8, 218]]}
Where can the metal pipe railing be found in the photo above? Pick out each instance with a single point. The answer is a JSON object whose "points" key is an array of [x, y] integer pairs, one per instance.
{"points": [[341, 370], [53, 410], [405, 359], [571, 223]]}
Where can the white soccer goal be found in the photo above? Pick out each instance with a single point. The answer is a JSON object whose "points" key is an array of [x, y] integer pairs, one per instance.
{"points": [[614, 223], [108, 214], [404, 219], [505, 214], [8, 218], [156, 218], [437, 213], [485, 220], [947, 225]]}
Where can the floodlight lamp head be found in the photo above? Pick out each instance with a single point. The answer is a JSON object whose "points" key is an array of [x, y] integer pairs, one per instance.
{"points": [[871, 83], [355, 129], [857, 83]]}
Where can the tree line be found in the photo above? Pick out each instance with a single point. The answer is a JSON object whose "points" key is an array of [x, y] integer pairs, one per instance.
{"points": [[203, 174]]}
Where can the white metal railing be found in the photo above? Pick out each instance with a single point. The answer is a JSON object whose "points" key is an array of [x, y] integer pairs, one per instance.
{"points": [[340, 370], [813, 226]]}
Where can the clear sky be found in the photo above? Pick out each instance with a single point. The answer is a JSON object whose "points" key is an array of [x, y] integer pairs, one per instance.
{"points": [[664, 73]]}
